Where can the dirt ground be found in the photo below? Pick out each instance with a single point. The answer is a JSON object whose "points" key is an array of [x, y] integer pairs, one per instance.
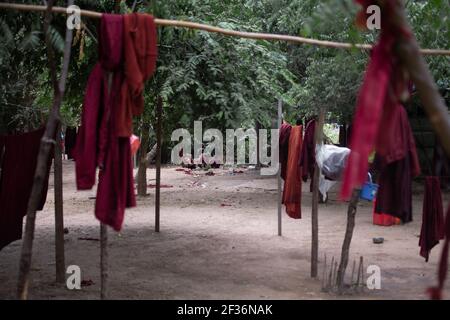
{"points": [[218, 240]]}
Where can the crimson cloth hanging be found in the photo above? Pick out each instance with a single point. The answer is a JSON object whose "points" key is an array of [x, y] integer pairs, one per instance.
{"points": [[101, 141], [285, 132], [307, 160], [436, 292], [292, 191], [384, 85], [18, 159], [398, 163], [70, 139], [432, 217]]}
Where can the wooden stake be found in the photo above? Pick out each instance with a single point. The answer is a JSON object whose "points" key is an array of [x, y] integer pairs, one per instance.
{"points": [[315, 201], [103, 261], [158, 162], [44, 152], [330, 275], [279, 200], [351, 213], [324, 273], [353, 272], [59, 214]]}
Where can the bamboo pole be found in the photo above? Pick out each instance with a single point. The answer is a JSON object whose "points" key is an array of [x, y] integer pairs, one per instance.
{"points": [[318, 134], [59, 213], [279, 200], [228, 32], [44, 153], [158, 163]]}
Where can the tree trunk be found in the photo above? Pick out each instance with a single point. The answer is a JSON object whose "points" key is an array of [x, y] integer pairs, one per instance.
{"points": [[351, 213], [152, 154], [142, 171], [315, 202], [59, 214]]}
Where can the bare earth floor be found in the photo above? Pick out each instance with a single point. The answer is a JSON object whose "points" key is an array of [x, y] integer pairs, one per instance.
{"points": [[209, 251]]}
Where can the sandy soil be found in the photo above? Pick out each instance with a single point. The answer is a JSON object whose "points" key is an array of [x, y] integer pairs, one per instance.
{"points": [[209, 251]]}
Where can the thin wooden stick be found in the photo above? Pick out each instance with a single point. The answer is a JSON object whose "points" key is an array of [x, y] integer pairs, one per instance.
{"points": [[59, 213], [315, 201], [324, 273], [43, 156], [335, 267], [353, 273], [103, 261], [330, 275], [158, 162], [228, 32], [279, 200], [359, 273]]}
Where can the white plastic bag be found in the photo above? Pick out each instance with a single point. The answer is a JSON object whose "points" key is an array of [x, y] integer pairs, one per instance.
{"points": [[331, 160]]}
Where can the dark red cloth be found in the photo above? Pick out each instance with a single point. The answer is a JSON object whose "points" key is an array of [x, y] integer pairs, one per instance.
{"points": [[97, 142], [398, 163], [308, 154], [70, 139], [432, 217], [140, 53], [292, 191], [18, 165], [285, 132], [382, 85], [441, 164], [436, 292], [383, 219]]}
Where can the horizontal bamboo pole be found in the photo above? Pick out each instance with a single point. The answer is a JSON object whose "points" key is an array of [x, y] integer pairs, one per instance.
{"points": [[242, 34]]}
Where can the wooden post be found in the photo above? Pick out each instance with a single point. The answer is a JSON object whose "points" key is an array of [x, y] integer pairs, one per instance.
{"points": [[158, 162], [280, 114], [142, 155], [44, 151], [351, 213], [103, 260], [59, 214], [315, 201]]}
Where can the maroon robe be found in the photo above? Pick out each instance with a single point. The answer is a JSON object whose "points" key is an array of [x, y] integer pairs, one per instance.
{"points": [[398, 163], [433, 217], [308, 153], [18, 164], [285, 132], [97, 142]]}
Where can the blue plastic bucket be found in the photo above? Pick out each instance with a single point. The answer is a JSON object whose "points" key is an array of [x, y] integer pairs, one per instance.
{"points": [[369, 190]]}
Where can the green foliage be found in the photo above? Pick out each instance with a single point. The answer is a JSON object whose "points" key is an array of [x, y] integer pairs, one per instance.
{"points": [[224, 81]]}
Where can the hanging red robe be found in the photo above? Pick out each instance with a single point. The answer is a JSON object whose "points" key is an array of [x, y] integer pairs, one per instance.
{"points": [[18, 159], [97, 142], [436, 292], [384, 82], [292, 191], [285, 132], [432, 217], [140, 53]]}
